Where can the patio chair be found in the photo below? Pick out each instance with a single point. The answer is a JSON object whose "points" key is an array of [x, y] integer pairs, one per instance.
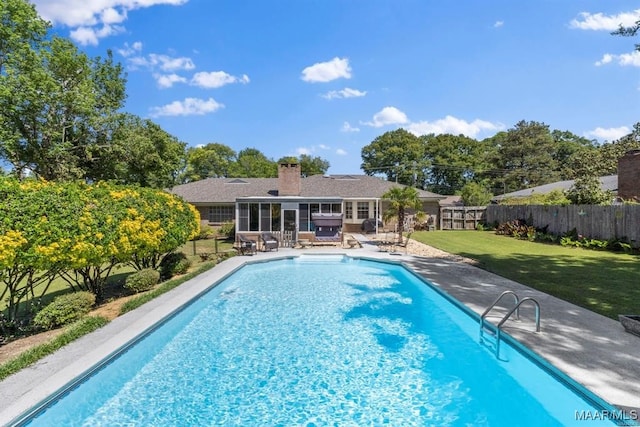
{"points": [[269, 241], [402, 243], [246, 245]]}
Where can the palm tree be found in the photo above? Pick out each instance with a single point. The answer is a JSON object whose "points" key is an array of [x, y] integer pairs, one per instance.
{"points": [[400, 199]]}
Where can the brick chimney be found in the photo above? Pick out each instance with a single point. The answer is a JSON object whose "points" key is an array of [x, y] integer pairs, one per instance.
{"points": [[629, 176], [289, 181]]}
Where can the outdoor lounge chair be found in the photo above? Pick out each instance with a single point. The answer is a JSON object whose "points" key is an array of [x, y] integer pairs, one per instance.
{"points": [[246, 245], [269, 241], [402, 243]]}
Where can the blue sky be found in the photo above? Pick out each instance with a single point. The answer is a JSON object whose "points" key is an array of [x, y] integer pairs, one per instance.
{"points": [[326, 77]]}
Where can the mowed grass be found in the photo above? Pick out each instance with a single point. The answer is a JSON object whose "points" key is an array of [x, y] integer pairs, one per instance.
{"points": [[604, 282], [114, 285]]}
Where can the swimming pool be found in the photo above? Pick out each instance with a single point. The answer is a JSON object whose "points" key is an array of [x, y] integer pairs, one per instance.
{"points": [[316, 341]]}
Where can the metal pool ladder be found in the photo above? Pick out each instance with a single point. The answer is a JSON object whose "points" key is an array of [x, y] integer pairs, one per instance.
{"points": [[495, 330]]}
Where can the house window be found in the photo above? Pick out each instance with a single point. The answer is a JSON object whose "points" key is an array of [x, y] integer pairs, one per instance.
{"points": [[243, 217], [265, 217], [363, 210], [254, 216], [348, 210], [220, 214], [305, 220], [258, 217], [275, 216], [336, 207]]}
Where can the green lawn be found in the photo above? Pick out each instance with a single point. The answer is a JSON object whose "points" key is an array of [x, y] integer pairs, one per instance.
{"points": [[605, 282], [120, 273]]}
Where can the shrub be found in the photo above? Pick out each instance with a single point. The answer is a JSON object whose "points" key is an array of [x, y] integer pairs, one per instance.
{"points": [[517, 228], [172, 264], [206, 232], [65, 309], [228, 230], [142, 280]]}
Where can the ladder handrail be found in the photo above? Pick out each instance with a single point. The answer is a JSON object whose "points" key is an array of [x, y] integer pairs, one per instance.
{"points": [[523, 300], [517, 301], [515, 309]]}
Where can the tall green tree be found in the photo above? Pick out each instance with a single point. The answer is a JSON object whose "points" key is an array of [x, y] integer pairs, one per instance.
{"points": [[400, 199], [54, 100], [213, 160], [603, 159], [252, 163], [309, 165], [398, 154], [454, 161], [525, 156], [567, 145], [475, 194], [138, 152]]}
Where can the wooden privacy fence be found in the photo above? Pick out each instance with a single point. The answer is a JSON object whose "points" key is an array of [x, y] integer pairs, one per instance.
{"points": [[596, 222], [461, 217]]}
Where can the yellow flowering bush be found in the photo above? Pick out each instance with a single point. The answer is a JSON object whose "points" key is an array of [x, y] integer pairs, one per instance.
{"points": [[81, 232]]}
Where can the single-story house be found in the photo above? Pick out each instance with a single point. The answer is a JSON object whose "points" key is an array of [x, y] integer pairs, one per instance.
{"points": [[293, 204]]}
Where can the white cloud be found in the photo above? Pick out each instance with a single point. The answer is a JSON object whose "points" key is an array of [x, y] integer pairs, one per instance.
{"points": [[606, 58], [216, 79], [327, 71], [168, 80], [187, 107], [610, 134], [129, 50], [387, 116], [155, 61], [341, 152], [453, 126], [90, 35], [344, 93], [599, 21], [303, 150], [91, 20], [168, 63], [113, 16], [346, 127], [498, 24], [631, 59], [324, 147]]}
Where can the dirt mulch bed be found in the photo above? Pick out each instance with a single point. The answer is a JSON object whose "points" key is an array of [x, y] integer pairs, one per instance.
{"points": [[109, 310]]}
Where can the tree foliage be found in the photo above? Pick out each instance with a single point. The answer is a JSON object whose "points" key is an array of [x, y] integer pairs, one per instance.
{"points": [[398, 154], [81, 232], [525, 157], [55, 106], [309, 165], [400, 199], [138, 152], [587, 191], [213, 160], [252, 163], [454, 160], [475, 194]]}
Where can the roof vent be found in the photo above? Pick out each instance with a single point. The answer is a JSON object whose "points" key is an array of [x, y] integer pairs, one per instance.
{"points": [[237, 181]]}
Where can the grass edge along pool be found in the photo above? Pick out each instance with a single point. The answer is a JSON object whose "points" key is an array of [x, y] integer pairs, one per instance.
{"points": [[462, 312]]}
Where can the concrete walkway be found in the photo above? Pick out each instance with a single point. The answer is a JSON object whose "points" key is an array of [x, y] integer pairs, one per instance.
{"points": [[592, 349]]}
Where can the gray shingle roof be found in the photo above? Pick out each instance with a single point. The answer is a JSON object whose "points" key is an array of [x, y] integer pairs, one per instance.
{"points": [[227, 190], [607, 183]]}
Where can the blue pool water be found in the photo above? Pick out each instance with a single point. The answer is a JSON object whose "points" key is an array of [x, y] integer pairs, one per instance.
{"points": [[319, 341]]}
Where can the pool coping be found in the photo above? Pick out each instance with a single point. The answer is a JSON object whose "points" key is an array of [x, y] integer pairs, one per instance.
{"points": [[593, 350]]}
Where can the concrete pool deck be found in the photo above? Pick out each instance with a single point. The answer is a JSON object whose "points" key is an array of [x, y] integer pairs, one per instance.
{"points": [[592, 349]]}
